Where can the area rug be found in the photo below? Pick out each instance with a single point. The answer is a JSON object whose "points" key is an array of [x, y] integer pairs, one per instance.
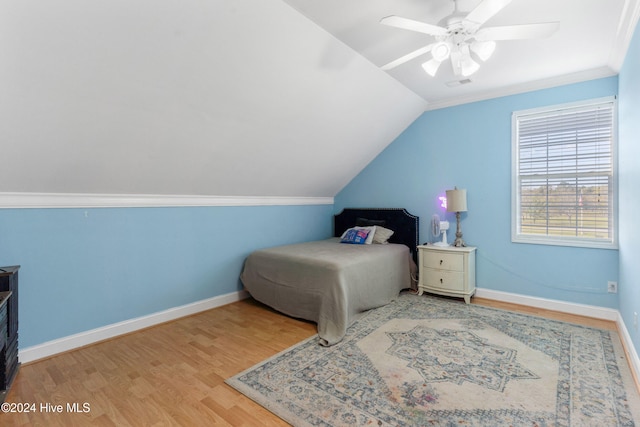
{"points": [[428, 361]]}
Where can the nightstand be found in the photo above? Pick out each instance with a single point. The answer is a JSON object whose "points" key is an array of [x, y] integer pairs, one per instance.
{"points": [[447, 270]]}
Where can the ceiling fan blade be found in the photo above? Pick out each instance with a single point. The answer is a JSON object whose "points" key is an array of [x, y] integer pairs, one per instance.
{"points": [[485, 10], [483, 50], [517, 32], [408, 57], [410, 24]]}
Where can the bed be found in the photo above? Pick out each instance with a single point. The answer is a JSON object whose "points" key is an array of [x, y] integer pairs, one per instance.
{"points": [[333, 283]]}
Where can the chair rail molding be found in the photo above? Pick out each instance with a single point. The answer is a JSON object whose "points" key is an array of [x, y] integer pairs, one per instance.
{"points": [[16, 200]]}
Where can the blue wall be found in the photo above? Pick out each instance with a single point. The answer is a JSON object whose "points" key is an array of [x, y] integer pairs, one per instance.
{"points": [[469, 146], [629, 185], [86, 268]]}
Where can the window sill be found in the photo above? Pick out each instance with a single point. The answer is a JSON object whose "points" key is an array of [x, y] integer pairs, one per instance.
{"points": [[559, 241]]}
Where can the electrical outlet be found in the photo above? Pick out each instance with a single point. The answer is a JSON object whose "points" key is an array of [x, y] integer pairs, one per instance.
{"points": [[612, 287]]}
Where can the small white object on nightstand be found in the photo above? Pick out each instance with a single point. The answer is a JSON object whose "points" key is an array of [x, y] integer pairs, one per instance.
{"points": [[449, 271]]}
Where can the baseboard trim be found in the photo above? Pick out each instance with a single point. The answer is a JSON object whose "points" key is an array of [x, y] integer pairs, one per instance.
{"points": [[578, 309], [632, 354], [550, 304], [71, 342]]}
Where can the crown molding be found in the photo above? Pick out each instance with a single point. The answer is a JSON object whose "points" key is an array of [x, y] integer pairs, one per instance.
{"points": [[79, 200], [626, 28], [582, 76]]}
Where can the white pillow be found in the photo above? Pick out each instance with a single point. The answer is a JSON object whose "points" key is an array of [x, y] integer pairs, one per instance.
{"points": [[382, 235]]}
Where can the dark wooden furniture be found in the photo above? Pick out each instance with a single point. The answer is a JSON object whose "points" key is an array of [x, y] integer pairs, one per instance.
{"points": [[4, 323], [9, 352]]}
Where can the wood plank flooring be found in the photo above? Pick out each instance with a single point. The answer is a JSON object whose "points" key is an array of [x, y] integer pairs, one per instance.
{"points": [[173, 374]]}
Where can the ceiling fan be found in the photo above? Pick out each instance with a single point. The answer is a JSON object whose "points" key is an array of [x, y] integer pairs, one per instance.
{"points": [[460, 37]]}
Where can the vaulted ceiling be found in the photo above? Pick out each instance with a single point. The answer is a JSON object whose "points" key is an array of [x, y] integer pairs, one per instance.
{"points": [[591, 41], [225, 97]]}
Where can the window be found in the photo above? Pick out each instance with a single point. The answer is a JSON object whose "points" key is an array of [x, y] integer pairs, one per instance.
{"points": [[564, 171]]}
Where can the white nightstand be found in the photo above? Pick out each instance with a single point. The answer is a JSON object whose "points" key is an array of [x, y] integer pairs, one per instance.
{"points": [[447, 270]]}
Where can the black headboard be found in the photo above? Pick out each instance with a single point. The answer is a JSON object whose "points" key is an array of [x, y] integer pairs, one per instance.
{"points": [[404, 225]]}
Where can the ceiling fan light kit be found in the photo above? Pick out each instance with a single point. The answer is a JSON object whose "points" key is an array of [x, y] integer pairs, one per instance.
{"points": [[431, 67], [441, 51], [459, 35], [467, 65]]}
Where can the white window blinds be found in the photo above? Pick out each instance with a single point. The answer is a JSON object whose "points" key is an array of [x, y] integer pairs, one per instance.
{"points": [[564, 180]]}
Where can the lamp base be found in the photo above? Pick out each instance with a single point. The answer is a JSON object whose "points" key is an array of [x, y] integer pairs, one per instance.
{"points": [[458, 242]]}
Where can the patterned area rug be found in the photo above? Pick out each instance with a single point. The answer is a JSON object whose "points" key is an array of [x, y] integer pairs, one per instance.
{"points": [[426, 361]]}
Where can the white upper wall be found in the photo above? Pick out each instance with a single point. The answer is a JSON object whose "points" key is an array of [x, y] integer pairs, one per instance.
{"points": [[186, 97]]}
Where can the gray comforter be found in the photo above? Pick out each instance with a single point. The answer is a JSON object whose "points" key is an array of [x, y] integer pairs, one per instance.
{"points": [[328, 282]]}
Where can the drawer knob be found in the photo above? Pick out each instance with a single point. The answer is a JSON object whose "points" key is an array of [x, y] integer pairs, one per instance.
{"points": [[440, 262], [440, 280]]}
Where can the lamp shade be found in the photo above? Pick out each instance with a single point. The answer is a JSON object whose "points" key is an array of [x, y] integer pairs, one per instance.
{"points": [[441, 51], [456, 200], [431, 67]]}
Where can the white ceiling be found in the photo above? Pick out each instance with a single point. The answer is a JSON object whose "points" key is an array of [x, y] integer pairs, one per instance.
{"points": [[591, 42], [186, 97]]}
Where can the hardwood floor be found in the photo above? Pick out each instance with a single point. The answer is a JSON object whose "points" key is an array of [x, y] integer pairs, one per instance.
{"points": [[173, 374]]}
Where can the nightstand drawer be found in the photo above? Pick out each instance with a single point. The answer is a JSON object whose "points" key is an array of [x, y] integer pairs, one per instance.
{"points": [[443, 261], [444, 279]]}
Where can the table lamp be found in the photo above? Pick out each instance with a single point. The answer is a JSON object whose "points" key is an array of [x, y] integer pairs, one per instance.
{"points": [[457, 202]]}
